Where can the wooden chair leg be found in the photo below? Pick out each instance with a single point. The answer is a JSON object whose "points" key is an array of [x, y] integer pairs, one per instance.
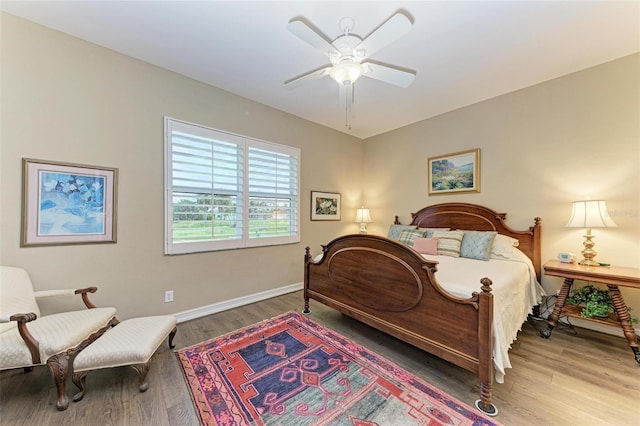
{"points": [[79, 379], [171, 336], [59, 366], [142, 370]]}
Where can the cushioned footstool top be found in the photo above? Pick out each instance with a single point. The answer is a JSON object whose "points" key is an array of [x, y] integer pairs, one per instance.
{"points": [[133, 341]]}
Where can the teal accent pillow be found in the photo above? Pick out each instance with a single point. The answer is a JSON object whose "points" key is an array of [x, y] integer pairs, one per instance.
{"points": [[407, 236], [449, 242], [395, 230], [477, 244]]}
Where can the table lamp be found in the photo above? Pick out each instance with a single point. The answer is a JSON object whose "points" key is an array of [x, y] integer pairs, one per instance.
{"points": [[589, 214], [363, 217]]}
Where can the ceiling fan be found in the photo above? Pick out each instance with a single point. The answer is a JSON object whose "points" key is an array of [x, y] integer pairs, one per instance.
{"points": [[348, 55]]}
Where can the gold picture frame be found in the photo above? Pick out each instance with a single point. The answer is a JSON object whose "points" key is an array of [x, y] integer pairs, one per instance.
{"points": [[454, 173]]}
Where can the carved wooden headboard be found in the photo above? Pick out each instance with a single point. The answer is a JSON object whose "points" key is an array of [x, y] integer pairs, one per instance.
{"points": [[479, 218]]}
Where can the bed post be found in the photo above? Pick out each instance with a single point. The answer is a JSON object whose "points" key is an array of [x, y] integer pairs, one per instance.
{"points": [[485, 351], [307, 258], [537, 258]]}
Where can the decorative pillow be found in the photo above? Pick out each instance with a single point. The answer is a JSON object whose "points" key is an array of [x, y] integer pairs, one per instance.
{"points": [[429, 231], [502, 246], [395, 230], [449, 242], [426, 245], [477, 244], [407, 236]]}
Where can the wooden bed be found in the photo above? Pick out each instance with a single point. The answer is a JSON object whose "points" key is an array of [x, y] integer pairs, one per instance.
{"points": [[393, 288]]}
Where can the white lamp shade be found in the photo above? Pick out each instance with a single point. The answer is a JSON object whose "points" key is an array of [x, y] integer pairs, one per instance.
{"points": [[590, 214], [363, 216], [347, 72]]}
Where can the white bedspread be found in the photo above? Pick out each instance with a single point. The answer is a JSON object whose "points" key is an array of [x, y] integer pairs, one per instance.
{"points": [[515, 291]]}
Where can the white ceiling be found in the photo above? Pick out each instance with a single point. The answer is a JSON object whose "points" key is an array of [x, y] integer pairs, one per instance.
{"points": [[462, 52]]}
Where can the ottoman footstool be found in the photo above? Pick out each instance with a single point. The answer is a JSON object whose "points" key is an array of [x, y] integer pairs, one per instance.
{"points": [[132, 342]]}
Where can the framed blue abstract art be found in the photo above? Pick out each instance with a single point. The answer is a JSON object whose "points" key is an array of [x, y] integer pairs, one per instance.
{"points": [[64, 203]]}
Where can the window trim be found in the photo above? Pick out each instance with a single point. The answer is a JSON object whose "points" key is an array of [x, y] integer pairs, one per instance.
{"points": [[172, 248]]}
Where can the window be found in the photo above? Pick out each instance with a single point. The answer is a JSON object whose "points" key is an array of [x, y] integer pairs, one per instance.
{"points": [[225, 191]]}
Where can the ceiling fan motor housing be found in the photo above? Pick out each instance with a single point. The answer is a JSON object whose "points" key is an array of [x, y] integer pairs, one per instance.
{"points": [[346, 45]]}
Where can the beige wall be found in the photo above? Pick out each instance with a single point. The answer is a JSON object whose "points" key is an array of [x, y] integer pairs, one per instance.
{"points": [[541, 148], [67, 100], [64, 99]]}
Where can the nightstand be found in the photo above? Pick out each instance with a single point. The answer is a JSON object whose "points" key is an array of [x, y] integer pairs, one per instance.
{"points": [[613, 277]]}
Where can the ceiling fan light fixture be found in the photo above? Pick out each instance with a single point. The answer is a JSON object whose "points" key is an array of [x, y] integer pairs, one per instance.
{"points": [[347, 72]]}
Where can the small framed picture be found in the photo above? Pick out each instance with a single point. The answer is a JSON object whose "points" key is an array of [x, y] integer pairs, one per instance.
{"points": [[452, 173], [64, 203], [325, 205]]}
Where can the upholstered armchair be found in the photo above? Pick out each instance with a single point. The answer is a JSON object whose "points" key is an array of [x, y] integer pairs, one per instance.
{"points": [[28, 339]]}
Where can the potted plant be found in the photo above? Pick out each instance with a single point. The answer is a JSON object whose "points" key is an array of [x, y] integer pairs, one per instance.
{"points": [[595, 302]]}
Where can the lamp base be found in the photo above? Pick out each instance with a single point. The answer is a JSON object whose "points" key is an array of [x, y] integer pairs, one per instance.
{"points": [[589, 253], [363, 228]]}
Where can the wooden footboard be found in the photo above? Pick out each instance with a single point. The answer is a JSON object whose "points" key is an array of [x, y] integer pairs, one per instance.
{"points": [[393, 288]]}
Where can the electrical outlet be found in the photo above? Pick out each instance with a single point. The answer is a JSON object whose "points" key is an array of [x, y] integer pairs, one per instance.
{"points": [[168, 296]]}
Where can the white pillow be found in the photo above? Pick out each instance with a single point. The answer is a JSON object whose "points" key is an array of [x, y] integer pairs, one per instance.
{"points": [[502, 247]]}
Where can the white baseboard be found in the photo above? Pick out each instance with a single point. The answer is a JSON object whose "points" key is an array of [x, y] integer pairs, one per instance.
{"points": [[234, 303]]}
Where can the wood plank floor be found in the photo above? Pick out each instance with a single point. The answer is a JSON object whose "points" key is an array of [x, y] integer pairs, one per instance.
{"points": [[587, 379]]}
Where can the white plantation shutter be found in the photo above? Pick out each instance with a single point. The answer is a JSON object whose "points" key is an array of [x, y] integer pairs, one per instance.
{"points": [[273, 193], [225, 191]]}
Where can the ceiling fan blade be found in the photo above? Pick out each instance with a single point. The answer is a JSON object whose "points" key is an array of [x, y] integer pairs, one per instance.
{"points": [[389, 75], [394, 28], [310, 76], [311, 37]]}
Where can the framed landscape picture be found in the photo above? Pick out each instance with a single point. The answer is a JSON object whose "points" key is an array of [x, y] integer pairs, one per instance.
{"points": [[64, 203], [325, 205], [452, 173]]}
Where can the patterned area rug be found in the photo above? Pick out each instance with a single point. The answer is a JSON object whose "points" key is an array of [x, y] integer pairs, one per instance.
{"points": [[290, 370]]}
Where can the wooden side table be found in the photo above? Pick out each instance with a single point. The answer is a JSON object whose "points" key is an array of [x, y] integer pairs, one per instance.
{"points": [[613, 277]]}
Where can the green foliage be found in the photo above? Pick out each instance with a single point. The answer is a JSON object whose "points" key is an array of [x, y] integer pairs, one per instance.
{"points": [[595, 302], [595, 309], [589, 293]]}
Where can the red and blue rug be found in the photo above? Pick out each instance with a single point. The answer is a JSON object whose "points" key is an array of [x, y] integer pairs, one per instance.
{"points": [[290, 370]]}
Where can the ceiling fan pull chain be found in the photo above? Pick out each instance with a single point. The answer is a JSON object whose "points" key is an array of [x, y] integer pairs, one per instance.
{"points": [[348, 106]]}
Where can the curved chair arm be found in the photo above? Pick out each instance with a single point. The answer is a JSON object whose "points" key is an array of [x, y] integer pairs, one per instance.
{"points": [[85, 296], [29, 340], [69, 292]]}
